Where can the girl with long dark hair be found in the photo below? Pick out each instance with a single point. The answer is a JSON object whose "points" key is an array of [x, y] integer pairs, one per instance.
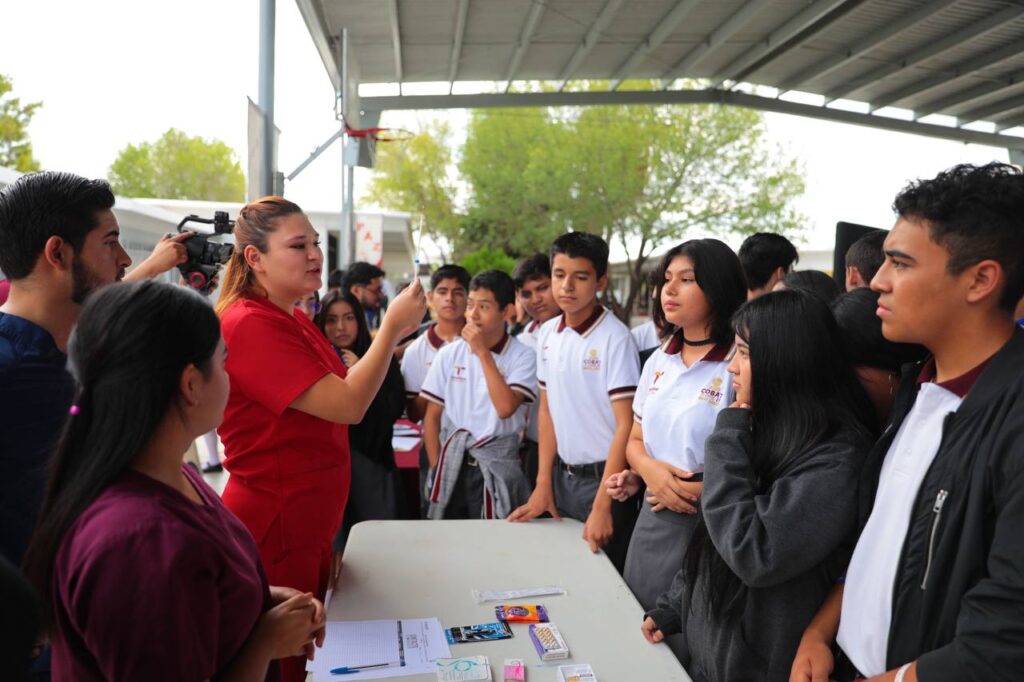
{"points": [[683, 387], [284, 431], [144, 574], [375, 486], [779, 507]]}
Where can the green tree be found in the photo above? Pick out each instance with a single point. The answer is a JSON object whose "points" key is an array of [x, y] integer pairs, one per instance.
{"points": [[644, 177], [15, 148], [488, 259], [414, 176], [178, 166], [676, 169]]}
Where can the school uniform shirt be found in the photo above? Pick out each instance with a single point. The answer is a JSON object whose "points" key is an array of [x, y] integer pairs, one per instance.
{"points": [[583, 369], [457, 383], [417, 359], [286, 466], [677, 405], [528, 337], [646, 335], [149, 585], [868, 594]]}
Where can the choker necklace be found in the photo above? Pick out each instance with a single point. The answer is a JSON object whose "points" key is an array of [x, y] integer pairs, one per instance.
{"points": [[702, 342]]}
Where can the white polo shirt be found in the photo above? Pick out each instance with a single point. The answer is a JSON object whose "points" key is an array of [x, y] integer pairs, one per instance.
{"points": [[677, 405], [867, 596], [418, 357], [645, 335], [457, 383], [583, 369], [528, 337]]}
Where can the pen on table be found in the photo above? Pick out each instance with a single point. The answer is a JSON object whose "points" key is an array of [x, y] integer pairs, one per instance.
{"points": [[350, 670]]}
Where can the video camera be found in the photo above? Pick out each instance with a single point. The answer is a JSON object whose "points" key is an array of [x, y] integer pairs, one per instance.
{"points": [[205, 257]]}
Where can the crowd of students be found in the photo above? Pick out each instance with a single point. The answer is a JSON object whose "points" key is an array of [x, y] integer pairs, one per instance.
{"points": [[796, 483]]}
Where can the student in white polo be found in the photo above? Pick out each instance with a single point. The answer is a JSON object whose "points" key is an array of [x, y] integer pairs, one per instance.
{"points": [[684, 385], [480, 381], [449, 285], [587, 370], [533, 286]]}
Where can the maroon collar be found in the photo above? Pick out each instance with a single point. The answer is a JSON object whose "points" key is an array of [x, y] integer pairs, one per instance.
{"points": [[959, 385], [533, 326], [502, 344], [718, 352], [584, 327], [433, 338]]}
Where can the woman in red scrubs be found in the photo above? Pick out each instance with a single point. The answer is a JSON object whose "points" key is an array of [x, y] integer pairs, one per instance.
{"points": [[284, 427]]}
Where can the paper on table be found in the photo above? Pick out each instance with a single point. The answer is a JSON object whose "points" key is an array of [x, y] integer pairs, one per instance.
{"points": [[369, 642], [481, 596]]}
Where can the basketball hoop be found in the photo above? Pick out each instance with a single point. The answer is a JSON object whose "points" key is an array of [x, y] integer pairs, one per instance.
{"points": [[379, 134]]}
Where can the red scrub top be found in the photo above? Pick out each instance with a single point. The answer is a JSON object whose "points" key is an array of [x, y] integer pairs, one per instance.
{"points": [[290, 471], [149, 585]]}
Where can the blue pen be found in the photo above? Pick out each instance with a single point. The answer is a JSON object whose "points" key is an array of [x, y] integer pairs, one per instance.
{"points": [[351, 670]]}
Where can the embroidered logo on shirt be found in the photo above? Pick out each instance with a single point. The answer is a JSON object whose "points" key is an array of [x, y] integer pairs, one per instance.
{"points": [[458, 373], [654, 387], [592, 362], [712, 393]]}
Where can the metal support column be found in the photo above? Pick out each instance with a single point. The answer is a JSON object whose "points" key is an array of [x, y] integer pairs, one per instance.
{"points": [[266, 91]]}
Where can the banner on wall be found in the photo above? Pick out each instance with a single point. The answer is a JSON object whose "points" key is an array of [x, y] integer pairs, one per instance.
{"points": [[370, 239]]}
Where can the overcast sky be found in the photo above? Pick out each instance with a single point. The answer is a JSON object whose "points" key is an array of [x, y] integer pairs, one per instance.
{"points": [[114, 72]]}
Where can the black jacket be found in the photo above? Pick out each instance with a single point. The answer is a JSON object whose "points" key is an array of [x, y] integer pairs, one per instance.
{"points": [[958, 598], [372, 436]]}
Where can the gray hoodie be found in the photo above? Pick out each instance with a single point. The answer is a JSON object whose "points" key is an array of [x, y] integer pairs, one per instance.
{"points": [[788, 546]]}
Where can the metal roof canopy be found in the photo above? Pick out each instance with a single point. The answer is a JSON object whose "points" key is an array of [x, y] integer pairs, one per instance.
{"points": [[959, 58]]}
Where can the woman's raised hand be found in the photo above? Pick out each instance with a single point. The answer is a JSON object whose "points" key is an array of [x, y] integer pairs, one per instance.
{"points": [[404, 313]]}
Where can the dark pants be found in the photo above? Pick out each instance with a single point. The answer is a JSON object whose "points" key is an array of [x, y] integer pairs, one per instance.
{"points": [[373, 495], [528, 455], [467, 500], [574, 494]]}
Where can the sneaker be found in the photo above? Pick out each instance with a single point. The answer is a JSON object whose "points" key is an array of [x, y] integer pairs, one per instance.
{"points": [[213, 468]]}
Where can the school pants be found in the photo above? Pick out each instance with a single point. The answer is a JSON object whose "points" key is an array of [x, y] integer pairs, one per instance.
{"points": [[575, 488]]}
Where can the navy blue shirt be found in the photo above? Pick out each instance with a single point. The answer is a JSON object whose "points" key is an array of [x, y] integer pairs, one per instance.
{"points": [[36, 391]]}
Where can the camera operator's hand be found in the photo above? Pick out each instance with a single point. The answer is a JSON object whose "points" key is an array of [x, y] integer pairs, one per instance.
{"points": [[168, 253], [405, 312]]}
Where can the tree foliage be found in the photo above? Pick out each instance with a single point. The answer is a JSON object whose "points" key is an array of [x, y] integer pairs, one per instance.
{"points": [[488, 259], [413, 176], [178, 166], [15, 116], [643, 177]]}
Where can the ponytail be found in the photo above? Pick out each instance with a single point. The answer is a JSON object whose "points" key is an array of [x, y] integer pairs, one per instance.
{"points": [[253, 226]]}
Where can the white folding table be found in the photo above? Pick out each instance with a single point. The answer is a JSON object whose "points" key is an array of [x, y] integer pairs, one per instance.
{"points": [[422, 569]]}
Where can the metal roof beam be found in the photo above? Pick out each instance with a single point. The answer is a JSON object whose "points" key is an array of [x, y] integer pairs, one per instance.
{"points": [[529, 27], [925, 53], [1010, 122], [964, 68], [989, 110], [396, 41], [858, 50], [789, 30], [317, 27], [716, 96], [725, 30], [460, 34], [663, 30], [962, 97], [589, 40]]}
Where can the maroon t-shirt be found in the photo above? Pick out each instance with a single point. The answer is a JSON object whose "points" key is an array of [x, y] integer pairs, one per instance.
{"points": [[148, 585]]}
